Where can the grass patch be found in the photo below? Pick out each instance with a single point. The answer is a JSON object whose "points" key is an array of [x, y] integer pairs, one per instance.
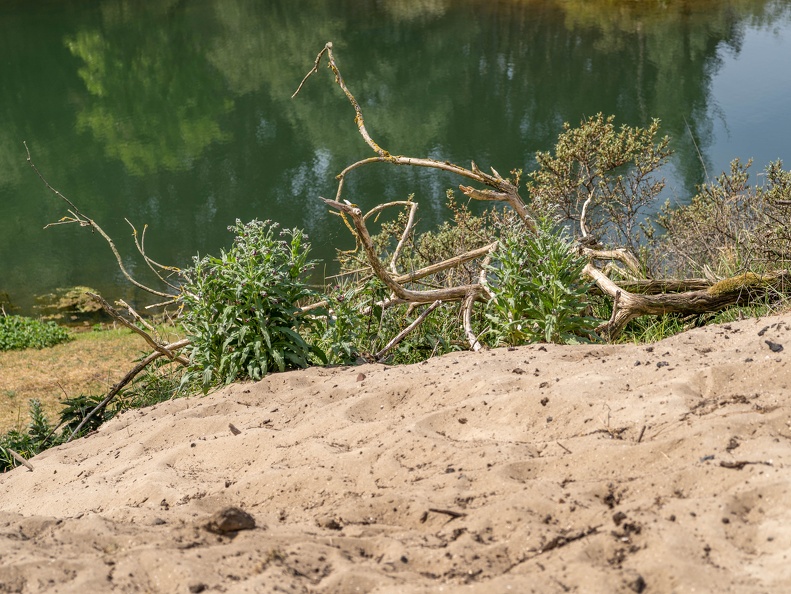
{"points": [[90, 364]]}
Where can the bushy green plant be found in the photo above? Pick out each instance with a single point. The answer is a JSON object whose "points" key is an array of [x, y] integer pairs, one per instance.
{"points": [[18, 332], [38, 437], [539, 291], [728, 227], [339, 333], [606, 171], [75, 409], [241, 309]]}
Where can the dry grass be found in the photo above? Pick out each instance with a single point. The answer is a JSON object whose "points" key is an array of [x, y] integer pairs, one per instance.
{"points": [[89, 364]]}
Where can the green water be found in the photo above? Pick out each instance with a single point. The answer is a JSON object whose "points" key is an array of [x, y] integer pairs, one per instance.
{"points": [[178, 114]]}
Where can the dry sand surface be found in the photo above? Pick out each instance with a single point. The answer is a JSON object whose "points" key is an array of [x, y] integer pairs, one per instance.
{"points": [[544, 469]]}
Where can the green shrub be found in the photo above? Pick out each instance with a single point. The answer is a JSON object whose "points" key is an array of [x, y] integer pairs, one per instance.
{"points": [[539, 291], [38, 437], [17, 332], [728, 227], [610, 172], [242, 312], [75, 409], [340, 333]]}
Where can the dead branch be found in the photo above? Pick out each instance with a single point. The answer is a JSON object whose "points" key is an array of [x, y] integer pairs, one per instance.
{"points": [[154, 266], [448, 294], [446, 264], [404, 236], [502, 190], [733, 291], [126, 379], [670, 285], [505, 191], [358, 117], [157, 346], [137, 316], [620, 254], [82, 220], [469, 303], [401, 335]]}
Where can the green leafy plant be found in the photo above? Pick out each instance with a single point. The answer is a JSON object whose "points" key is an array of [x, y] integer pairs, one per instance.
{"points": [[340, 333], [539, 292], [38, 437], [18, 332], [242, 312], [75, 409]]}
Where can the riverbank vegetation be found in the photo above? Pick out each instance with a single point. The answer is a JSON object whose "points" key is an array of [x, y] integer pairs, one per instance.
{"points": [[580, 260]]}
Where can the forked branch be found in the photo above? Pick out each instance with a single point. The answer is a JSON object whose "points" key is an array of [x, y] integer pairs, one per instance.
{"points": [[364, 237], [79, 218], [504, 190]]}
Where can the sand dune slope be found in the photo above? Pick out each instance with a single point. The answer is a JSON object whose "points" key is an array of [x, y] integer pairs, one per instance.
{"points": [[540, 469]]}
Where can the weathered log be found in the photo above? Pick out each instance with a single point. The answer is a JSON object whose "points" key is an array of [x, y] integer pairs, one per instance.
{"points": [[736, 290]]}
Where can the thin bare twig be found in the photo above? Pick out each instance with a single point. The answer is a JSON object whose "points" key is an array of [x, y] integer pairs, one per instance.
{"points": [[126, 379], [137, 317], [84, 221], [401, 335], [152, 264], [162, 349], [469, 303], [404, 236]]}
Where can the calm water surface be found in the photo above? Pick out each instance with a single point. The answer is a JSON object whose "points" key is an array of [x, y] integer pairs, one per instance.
{"points": [[178, 114]]}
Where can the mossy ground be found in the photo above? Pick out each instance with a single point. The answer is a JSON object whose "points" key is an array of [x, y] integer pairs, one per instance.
{"points": [[90, 364]]}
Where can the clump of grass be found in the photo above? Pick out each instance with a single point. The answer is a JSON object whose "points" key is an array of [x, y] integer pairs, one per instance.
{"points": [[38, 437]]}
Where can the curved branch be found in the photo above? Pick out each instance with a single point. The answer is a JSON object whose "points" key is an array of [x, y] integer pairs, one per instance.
{"points": [[358, 117], [126, 379], [153, 265], [469, 302], [84, 221], [620, 254], [505, 190], [449, 294]]}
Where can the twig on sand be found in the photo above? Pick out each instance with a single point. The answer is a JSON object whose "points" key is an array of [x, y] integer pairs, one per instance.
{"points": [[448, 512], [561, 540], [20, 459], [738, 465]]}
